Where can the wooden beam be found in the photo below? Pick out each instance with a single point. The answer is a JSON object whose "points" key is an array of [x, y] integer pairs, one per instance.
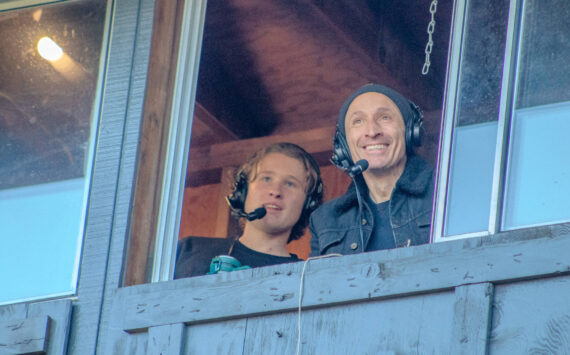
{"points": [[166, 339], [378, 275], [472, 318], [214, 124], [24, 336], [314, 141]]}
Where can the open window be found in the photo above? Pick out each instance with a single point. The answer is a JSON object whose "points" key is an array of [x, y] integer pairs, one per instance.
{"points": [[266, 71], [503, 88]]}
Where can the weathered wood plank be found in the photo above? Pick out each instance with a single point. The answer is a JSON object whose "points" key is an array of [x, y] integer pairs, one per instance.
{"points": [[59, 312], [130, 23], [222, 155], [136, 344], [128, 145], [532, 317], [24, 336], [377, 275], [165, 339], [225, 337], [472, 319], [13, 311], [404, 326]]}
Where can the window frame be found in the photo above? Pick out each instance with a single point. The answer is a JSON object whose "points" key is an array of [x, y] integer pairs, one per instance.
{"points": [[18, 4], [95, 123], [178, 140], [508, 92]]}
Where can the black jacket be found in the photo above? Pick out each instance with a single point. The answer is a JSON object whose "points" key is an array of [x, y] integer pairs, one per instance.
{"points": [[335, 226], [194, 255]]}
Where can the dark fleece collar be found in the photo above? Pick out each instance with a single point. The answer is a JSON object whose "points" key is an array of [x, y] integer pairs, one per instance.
{"points": [[414, 181]]}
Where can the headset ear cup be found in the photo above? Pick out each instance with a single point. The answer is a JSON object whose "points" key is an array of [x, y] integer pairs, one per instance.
{"points": [[408, 137], [417, 132], [315, 197], [341, 154], [236, 199], [414, 129]]}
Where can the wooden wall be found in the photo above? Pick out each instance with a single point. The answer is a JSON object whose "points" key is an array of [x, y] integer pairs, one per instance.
{"points": [[35, 328], [506, 295], [199, 213]]}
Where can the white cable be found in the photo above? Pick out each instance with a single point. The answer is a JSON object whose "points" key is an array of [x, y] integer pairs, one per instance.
{"points": [[301, 295]]}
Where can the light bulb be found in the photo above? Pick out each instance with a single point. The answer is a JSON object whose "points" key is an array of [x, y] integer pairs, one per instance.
{"points": [[49, 50]]}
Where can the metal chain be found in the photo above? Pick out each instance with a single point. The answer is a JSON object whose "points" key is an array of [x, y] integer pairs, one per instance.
{"points": [[430, 29]]}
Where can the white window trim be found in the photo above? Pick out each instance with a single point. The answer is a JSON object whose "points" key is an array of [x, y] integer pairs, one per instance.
{"points": [[16, 4], [508, 86], [449, 109], [508, 83], [176, 159]]}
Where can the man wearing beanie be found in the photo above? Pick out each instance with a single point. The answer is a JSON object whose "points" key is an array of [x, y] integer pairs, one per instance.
{"points": [[389, 203]]}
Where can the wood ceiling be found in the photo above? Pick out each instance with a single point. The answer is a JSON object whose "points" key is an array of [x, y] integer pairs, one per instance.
{"points": [[282, 69]]}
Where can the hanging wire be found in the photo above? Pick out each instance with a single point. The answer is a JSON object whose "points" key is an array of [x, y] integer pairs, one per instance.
{"points": [[301, 291]]}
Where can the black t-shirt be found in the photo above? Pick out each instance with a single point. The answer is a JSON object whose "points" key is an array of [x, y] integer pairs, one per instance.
{"points": [[194, 255], [382, 236]]}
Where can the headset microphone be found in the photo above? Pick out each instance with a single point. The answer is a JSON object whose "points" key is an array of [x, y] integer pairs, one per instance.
{"points": [[258, 213], [358, 168]]}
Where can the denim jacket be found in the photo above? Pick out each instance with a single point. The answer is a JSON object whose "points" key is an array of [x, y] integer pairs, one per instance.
{"points": [[335, 226]]}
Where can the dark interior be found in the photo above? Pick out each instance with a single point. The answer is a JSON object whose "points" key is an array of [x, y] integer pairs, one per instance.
{"points": [[267, 69], [274, 68]]}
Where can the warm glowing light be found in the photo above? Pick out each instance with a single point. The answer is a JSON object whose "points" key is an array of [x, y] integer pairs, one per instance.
{"points": [[49, 50], [37, 15]]}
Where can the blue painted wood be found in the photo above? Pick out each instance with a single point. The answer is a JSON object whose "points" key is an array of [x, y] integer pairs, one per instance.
{"points": [[532, 317], [136, 344], [378, 275], [24, 336], [59, 312], [472, 319], [13, 311], [410, 325], [113, 171], [142, 15], [165, 339], [225, 337]]}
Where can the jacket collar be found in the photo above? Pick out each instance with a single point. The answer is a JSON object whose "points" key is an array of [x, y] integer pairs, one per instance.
{"points": [[414, 181]]}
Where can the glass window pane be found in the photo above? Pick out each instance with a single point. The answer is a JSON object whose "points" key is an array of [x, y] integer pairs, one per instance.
{"points": [[543, 75], [49, 68], [538, 174], [469, 191], [538, 180], [474, 137]]}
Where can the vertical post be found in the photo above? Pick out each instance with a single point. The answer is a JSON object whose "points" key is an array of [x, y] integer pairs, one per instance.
{"points": [[472, 319], [165, 339]]}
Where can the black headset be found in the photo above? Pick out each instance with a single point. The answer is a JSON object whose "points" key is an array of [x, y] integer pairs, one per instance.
{"points": [[236, 199], [413, 135]]}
